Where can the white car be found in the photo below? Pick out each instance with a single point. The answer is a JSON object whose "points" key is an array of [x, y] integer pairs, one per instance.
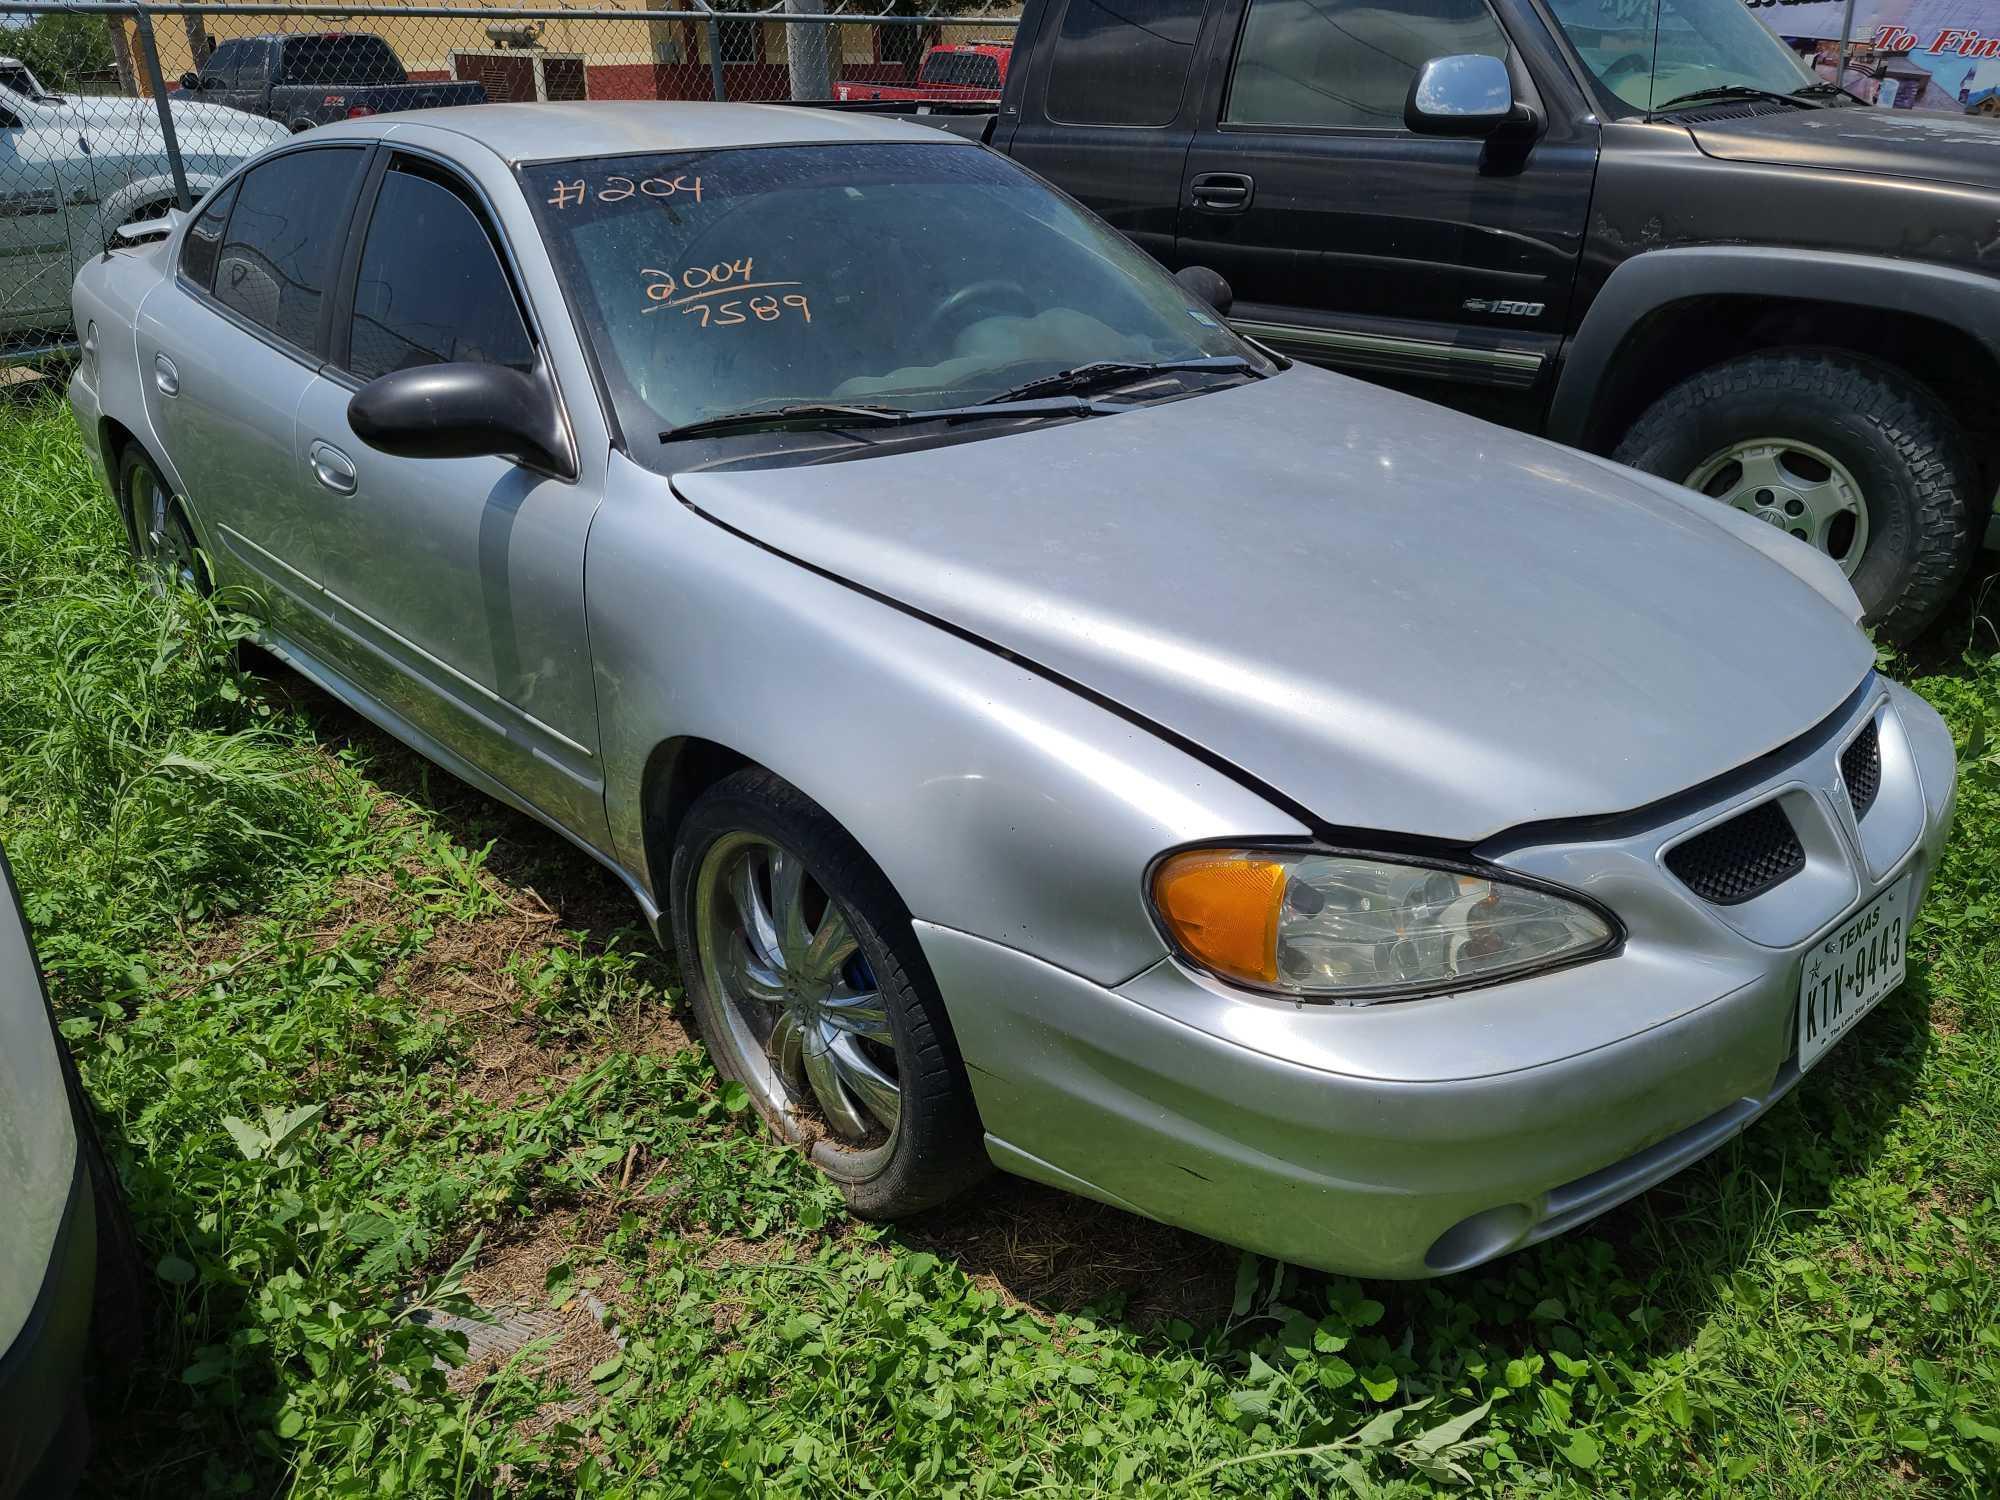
{"points": [[73, 169], [58, 1219]]}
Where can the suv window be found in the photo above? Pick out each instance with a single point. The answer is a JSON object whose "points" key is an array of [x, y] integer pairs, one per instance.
{"points": [[1122, 62], [1347, 63], [432, 288], [204, 238], [272, 267]]}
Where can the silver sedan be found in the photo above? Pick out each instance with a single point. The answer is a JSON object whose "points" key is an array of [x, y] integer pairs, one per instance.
{"points": [[1054, 732]]}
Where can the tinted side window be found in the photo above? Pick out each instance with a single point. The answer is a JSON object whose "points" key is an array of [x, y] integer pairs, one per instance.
{"points": [[221, 64], [431, 288], [1122, 62], [204, 239], [340, 58], [970, 69], [282, 240], [1347, 62], [253, 65]]}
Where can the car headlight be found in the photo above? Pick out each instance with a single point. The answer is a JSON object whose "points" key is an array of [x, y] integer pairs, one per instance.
{"points": [[1343, 926]]}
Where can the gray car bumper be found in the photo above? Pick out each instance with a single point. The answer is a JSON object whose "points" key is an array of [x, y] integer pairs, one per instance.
{"points": [[1170, 1098]]}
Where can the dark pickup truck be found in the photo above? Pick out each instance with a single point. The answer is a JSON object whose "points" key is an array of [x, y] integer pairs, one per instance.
{"points": [[1641, 228], [308, 79]]}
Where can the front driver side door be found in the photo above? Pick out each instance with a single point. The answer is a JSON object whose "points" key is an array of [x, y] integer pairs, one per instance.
{"points": [[1440, 266], [456, 584]]}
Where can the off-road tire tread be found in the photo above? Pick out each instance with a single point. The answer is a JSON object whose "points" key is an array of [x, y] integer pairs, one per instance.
{"points": [[1908, 420], [941, 1150]]}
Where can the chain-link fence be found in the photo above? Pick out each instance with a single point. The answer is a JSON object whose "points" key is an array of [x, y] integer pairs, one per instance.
{"points": [[113, 113]]}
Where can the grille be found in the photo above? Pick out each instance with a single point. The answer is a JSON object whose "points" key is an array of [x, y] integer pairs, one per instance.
{"points": [[1739, 859], [1861, 769]]}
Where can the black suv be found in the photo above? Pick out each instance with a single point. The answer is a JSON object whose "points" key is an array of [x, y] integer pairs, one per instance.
{"points": [[1637, 226]]}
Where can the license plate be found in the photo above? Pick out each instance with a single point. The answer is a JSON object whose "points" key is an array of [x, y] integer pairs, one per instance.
{"points": [[1853, 967]]}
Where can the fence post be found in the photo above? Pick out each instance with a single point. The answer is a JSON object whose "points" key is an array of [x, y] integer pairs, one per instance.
{"points": [[715, 83], [143, 23]]}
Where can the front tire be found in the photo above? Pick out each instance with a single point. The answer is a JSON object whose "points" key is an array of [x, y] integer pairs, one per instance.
{"points": [[809, 988], [1848, 454]]}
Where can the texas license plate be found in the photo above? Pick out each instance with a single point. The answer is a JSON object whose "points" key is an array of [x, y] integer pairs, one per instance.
{"points": [[1854, 966]]}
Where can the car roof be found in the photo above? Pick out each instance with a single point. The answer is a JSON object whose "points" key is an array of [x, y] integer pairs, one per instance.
{"points": [[557, 132]]}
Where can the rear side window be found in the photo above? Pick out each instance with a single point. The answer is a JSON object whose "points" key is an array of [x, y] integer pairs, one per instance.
{"points": [[204, 239], [432, 288], [970, 69], [1347, 63], [282, 238], [1122, 62], [338, 58]]}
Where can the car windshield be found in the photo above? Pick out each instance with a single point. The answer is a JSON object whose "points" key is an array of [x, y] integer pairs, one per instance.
{"points": [[1650, 52], [904, 276]]}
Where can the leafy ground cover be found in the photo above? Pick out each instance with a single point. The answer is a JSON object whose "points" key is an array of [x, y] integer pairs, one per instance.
{"points": [[371, 1053]]}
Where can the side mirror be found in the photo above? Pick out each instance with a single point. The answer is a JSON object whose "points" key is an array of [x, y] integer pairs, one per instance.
{"points": [[462, 411], [191, 82], [1209, 286], [1470, 94]]}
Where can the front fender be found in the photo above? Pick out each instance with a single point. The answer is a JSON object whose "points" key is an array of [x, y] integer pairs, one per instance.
{"points": [[996, 801], [1657, 279]]}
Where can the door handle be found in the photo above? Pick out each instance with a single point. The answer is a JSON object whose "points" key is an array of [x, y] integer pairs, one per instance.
{"points": [[165, 376], [1222, 192], [331, 467]]}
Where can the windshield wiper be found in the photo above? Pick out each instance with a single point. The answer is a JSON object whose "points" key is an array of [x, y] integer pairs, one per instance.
{"points": [[796, 414], [1103, 373], [833, 415], [1735, 91]]}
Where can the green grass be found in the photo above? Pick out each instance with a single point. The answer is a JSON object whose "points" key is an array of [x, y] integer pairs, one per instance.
{"points": [[365, 1045]]}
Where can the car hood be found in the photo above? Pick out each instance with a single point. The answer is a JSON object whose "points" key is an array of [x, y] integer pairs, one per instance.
{"points": [[120, 121], [1398, 617], [1884, 142]]}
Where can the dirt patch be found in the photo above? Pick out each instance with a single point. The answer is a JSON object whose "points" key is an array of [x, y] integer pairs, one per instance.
{"points": [[1049, 1251], [578, 1332]]}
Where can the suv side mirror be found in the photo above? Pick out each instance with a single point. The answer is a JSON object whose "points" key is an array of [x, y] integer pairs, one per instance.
{"points": [[1209, 286], [1470, 94], [191, 82], [462, 410]]}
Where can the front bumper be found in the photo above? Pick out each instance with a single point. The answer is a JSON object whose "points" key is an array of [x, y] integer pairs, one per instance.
{"points": [[43, 1439], [1422, 1137]]}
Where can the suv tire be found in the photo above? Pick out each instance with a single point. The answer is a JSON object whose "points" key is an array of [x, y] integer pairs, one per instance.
{"points": [[1903, 450]]}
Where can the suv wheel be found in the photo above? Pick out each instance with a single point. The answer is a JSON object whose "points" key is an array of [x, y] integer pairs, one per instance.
{"points": [[1848, 455], [809, 988]]}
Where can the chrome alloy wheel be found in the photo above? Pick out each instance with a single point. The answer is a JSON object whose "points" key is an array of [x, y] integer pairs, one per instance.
{"points": [[799, 1007], [1795, 487], [166, 550]]}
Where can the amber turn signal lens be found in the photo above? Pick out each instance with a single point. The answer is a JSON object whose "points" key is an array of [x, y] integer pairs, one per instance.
{"points": [[1222, 908]]}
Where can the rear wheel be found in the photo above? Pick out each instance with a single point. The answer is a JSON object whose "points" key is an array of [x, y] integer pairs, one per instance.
{"points": [[1848, 455], [809, 988], [163, 543]]}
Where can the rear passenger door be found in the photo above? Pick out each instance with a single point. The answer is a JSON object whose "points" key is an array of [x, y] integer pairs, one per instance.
{"points": [[1439, 265], [226, 354], [1110, 110]]}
